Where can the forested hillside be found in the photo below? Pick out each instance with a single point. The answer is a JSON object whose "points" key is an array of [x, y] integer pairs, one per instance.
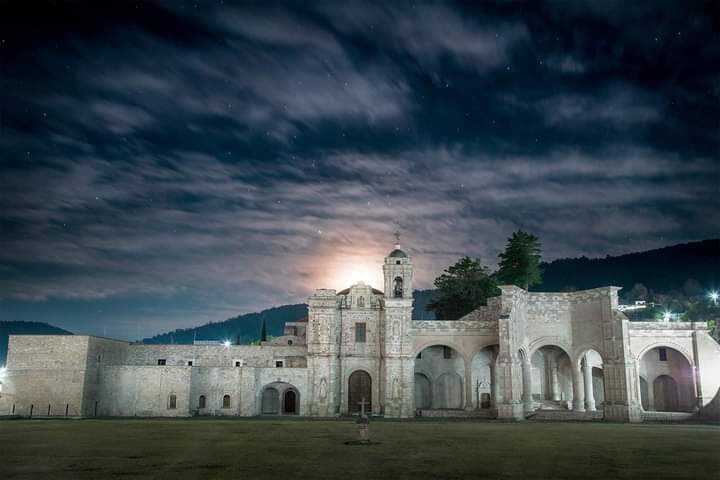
{"points": [[662, 270]]}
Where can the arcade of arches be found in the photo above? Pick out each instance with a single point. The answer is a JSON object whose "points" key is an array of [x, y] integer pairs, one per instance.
{"points": [[442, 382]]}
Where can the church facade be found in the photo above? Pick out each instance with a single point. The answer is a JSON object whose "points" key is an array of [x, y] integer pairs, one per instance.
{"points": [[569, 355]]}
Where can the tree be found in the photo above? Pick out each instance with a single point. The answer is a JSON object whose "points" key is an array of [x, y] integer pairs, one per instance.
{"points": [[520, 262], [263, 331], [461, 289], [637, 292]]}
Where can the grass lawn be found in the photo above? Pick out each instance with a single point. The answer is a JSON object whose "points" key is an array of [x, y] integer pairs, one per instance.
{"points": [[281, 449]]}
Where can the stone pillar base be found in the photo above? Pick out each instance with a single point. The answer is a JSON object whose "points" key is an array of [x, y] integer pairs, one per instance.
{"points": [[622, 413], [578, 406], [510, 411]]}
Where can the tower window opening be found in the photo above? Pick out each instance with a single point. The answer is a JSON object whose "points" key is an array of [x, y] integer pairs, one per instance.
{"points": [[663, 354], [398, 287], [447, 352]]}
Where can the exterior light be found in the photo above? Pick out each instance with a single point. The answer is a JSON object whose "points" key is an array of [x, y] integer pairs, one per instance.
{"points": [[667, 316], [714, 295], [226, 343]]}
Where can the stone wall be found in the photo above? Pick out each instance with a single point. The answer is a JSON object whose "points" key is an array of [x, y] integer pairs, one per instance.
{"points": [[45, 371]]}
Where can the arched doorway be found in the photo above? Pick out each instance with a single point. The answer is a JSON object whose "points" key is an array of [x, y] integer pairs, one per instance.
{"points": [[290, 402], [270, 401], [669, 380], [552, 378], [423, 391], [481, 377], [591, 381], [440, 370], [665, 393], [359, 390]]}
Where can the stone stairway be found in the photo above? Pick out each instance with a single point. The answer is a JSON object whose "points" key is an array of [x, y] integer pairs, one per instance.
{"points": [[456, 413], [565, 416]]}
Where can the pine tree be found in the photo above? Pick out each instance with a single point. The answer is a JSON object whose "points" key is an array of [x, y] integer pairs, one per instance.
{"points": [[520, 262], [461, 289], [263, 331]]}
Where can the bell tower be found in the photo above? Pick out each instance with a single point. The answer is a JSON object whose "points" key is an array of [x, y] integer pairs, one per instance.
{"points": [[398, 358], [398, 273]]}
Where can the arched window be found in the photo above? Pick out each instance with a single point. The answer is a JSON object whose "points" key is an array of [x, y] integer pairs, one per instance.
{"points": [[201, 401], [361, 302], [226, 401], [398, 287], [172, 402]]}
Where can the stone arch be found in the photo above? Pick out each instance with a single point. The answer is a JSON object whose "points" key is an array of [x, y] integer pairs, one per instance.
{"points": [[663, 344], [553, 376], [445, 369], [543, 342], [676, 389], [439, 343], [359, 389]]}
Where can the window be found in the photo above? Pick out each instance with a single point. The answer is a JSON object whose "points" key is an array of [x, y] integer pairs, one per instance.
{"points": [[279, 363], [397, 262], [360, 333], [172, 402], [238, 363], [190, 363], [398, 287], [201, 401], [361, 302], [663, 354], [289, 342], [161, 361], [447, 352], [226, 401]]}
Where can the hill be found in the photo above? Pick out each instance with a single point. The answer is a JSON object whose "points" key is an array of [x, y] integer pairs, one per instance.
{"points": [[662, 270], [246, 328], [240, 329], [24, 328]]}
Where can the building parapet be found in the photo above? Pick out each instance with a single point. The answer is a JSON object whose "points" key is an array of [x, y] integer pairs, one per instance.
{"points": [[660, 326], [446, 326]]}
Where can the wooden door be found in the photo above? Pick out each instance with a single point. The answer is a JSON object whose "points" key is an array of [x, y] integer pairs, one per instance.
{"points": [[290, 401], [359, 389]]}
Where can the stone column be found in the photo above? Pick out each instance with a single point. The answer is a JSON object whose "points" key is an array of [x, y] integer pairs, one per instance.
{"points": [[468, 385], [527, 386], [589, 394], [493, 381], [554, 381], [578, 391]]}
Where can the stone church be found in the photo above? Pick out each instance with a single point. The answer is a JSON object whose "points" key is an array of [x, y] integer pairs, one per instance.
{"points": [[570, 355]]}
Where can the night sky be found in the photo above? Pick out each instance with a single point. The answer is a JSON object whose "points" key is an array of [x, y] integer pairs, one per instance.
{"points": [[168, 164]]}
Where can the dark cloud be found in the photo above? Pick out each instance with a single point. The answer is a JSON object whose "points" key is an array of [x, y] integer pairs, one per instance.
{"points": [[168, 164]]}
